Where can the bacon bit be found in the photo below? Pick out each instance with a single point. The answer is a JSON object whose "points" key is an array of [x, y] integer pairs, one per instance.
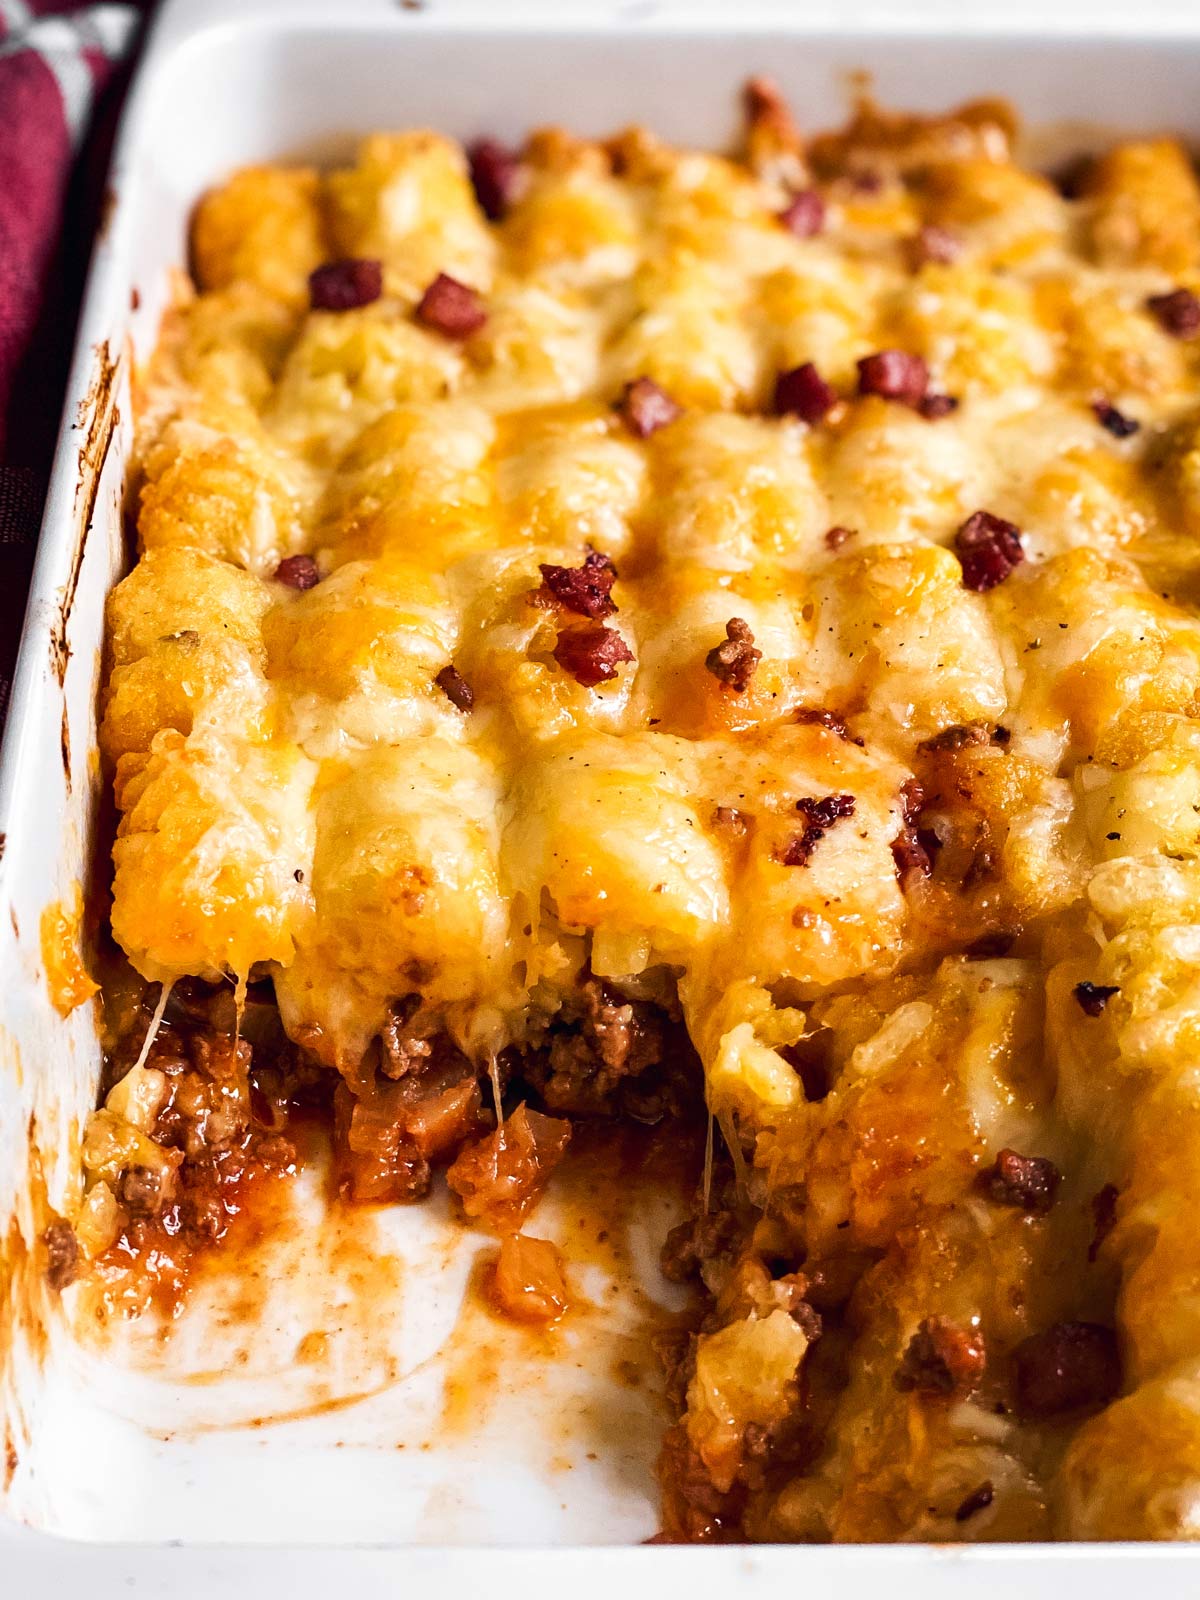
{"points": [[821, 815], [1114, 421], [957, 738], [932, 244], [1026, 1182], [496, 174], [62, 1254], [298, 572], [989, 549], [914, 852], [802, 392], [455, 687], [913, 848], [812, 716], [933, 406], [825, 812], [1104, 1217], [730, 817], [646, 407], [528, 1283], [804, 214], [734, 662], [1066, 1367], [451, 307], [1177, 313], [586, 589], [345, 285], [796, 852], [912, 798], [941, 1360], [894, 375], [1093, 997], [978, 1500], [591, 654], [837, 536], [499, 1177]]}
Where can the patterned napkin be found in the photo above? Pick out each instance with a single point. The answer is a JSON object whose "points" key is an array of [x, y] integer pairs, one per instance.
{"points": [[60, 81]]}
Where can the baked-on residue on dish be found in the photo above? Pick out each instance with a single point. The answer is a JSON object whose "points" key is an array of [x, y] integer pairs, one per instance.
{"points": [[616, 625]]}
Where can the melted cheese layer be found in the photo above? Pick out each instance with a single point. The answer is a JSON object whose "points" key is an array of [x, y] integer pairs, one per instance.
{"points": [[299, 796]]}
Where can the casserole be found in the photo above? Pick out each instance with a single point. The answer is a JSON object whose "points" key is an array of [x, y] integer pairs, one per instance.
{"points": [[98, 560]]}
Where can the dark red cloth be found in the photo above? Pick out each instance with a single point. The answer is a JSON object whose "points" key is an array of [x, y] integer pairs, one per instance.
{"points": [[61, 74]]}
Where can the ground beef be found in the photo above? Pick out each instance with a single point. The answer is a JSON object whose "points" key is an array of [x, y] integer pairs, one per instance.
{"points": [[62, 1254], [675, 1350], [712, 1235], [413, 1110], [606, 1054], [145, 1190], [404, 1049], [694, 1511]]}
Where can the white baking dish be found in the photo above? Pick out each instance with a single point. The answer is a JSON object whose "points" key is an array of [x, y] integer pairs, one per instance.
{"points": [[115, 1442]]}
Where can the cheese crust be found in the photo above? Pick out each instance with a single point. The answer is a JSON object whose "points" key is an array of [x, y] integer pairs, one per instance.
{"points": [[302, 799]]}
